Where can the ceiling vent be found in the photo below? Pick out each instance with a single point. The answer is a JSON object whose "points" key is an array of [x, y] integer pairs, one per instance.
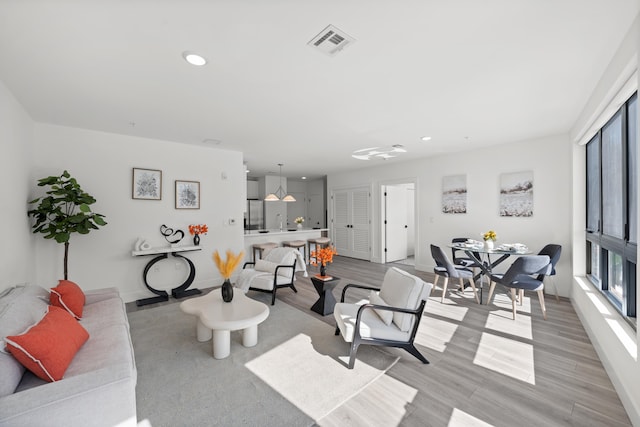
{"points": [[331, 40]]}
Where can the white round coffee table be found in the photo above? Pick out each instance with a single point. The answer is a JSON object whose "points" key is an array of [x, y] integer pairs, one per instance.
{"points": [[218, 318]]}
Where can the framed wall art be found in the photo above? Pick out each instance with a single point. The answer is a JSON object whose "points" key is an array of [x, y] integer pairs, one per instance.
{"points": [[146, 184], [516, 194], [187, 194], [454, 194]]}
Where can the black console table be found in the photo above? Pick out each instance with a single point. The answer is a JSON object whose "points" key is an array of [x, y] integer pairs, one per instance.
{"points": [[177, 292]]}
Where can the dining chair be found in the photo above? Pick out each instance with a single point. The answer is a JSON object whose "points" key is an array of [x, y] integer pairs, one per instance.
{"points": [[444, 268], [553, 251], [462, 260], [519, 277]]}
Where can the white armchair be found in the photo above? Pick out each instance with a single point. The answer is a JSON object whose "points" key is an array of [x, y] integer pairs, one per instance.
{"points": [[390, 318], [277, 270]]}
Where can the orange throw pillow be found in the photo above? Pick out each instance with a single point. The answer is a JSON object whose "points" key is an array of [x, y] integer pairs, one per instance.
{"points": [[69, 296], [48, 347]]}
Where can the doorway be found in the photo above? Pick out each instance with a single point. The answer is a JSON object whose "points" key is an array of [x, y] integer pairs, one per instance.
{"points": [[398, 208]]}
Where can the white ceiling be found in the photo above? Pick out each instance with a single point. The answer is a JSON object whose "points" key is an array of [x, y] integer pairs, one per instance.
{"points": [[468, 73]]}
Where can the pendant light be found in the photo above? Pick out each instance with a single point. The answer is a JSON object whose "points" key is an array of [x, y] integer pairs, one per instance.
{"points": [[279, 194]]}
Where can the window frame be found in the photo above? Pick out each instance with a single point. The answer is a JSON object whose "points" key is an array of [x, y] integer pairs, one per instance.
{"points": [[623, 247]]}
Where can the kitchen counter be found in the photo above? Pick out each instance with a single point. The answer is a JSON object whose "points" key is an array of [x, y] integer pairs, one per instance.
{"points": [[252, 237], [287, 231]]}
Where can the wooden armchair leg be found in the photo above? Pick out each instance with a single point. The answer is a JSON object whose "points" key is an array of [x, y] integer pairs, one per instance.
{"points": [[521, 296]]}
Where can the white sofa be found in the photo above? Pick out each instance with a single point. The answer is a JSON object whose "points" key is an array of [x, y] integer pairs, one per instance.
{"points": [[98, 388]]}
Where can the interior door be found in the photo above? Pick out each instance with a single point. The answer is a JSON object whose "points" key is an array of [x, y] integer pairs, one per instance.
{"points": [[351, 222], [396, 239]]}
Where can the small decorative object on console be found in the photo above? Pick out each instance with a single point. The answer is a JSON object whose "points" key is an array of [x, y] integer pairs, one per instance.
{"points": [[196, 230], [173, 237], [226, 269], [322, 257]]}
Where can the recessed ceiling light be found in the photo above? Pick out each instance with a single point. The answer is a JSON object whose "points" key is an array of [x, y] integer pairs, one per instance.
{"points": [[211, 141], [304, 177], [426, 138], [194, 58]]}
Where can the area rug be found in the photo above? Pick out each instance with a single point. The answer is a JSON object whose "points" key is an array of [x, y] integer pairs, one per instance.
{"points": [[294, 376]]}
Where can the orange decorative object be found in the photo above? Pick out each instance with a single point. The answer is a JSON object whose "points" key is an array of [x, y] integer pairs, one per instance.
{"points": [[198, 229], [323, 256]]}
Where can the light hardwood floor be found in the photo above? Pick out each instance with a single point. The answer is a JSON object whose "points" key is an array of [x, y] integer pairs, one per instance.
{"points": [[486, 369]]}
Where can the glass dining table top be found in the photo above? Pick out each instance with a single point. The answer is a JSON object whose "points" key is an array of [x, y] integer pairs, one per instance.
{"points": [[503, 249]]}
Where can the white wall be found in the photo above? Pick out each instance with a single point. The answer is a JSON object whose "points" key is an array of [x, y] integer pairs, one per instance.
{"points": [[548, 158], [615, 341], [103, 163], [16, 143]]}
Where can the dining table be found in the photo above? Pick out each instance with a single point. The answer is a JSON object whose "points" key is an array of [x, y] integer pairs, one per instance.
{"points": [[480, 254]]}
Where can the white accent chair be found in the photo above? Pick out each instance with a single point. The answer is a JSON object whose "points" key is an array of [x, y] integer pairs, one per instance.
{"points": [[275, 271], [390, 318]]}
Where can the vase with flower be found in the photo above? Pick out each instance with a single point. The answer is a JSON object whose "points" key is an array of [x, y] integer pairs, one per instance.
{"points": [[196, 230], [321, 257], [299, 221], [226, 269], [489, 239]]}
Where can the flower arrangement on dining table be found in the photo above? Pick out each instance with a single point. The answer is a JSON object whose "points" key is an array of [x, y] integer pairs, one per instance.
{"points": [[490, 235], [323, 256], [299, 220]]}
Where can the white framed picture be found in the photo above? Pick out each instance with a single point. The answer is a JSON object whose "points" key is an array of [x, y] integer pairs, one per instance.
{"points": [[187, 194], [516, 194], [146, 184], [454, 194]]}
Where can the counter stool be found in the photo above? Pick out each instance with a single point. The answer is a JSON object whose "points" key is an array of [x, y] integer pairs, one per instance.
{"points": [[296, 244], [261, 247], [318, 243]]}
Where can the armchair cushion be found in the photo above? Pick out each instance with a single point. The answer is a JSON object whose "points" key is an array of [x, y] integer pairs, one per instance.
{"points": [[266, 266], [371, 325], [403, 290], [385, 315]]}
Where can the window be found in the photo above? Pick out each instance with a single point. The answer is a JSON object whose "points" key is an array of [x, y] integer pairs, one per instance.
{"points": [[612, 208]]}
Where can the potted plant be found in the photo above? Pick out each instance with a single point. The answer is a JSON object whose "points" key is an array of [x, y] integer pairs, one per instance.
{"points": [[63, 211]]}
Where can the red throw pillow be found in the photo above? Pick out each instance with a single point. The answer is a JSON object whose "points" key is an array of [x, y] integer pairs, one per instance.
{"points": [[69, 296], [48, 347]]}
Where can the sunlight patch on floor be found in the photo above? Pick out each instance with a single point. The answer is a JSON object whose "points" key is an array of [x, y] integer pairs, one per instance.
{"points": [[435, 333], [502, 321], [506, 356], [384, 403], [311, 371], [449, 309], [460, 418]]}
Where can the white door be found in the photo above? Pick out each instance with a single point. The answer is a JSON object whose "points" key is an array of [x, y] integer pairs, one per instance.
{"points": [[351, 222], [395, 221]]}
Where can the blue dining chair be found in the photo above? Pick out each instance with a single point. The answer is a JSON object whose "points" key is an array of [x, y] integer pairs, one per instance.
{"points": [[463, 260], [519, 276], [444, 268], [553, 251]]}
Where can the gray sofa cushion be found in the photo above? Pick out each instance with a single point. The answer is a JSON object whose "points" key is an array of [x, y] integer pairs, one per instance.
{"points": [[20, 307]]}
